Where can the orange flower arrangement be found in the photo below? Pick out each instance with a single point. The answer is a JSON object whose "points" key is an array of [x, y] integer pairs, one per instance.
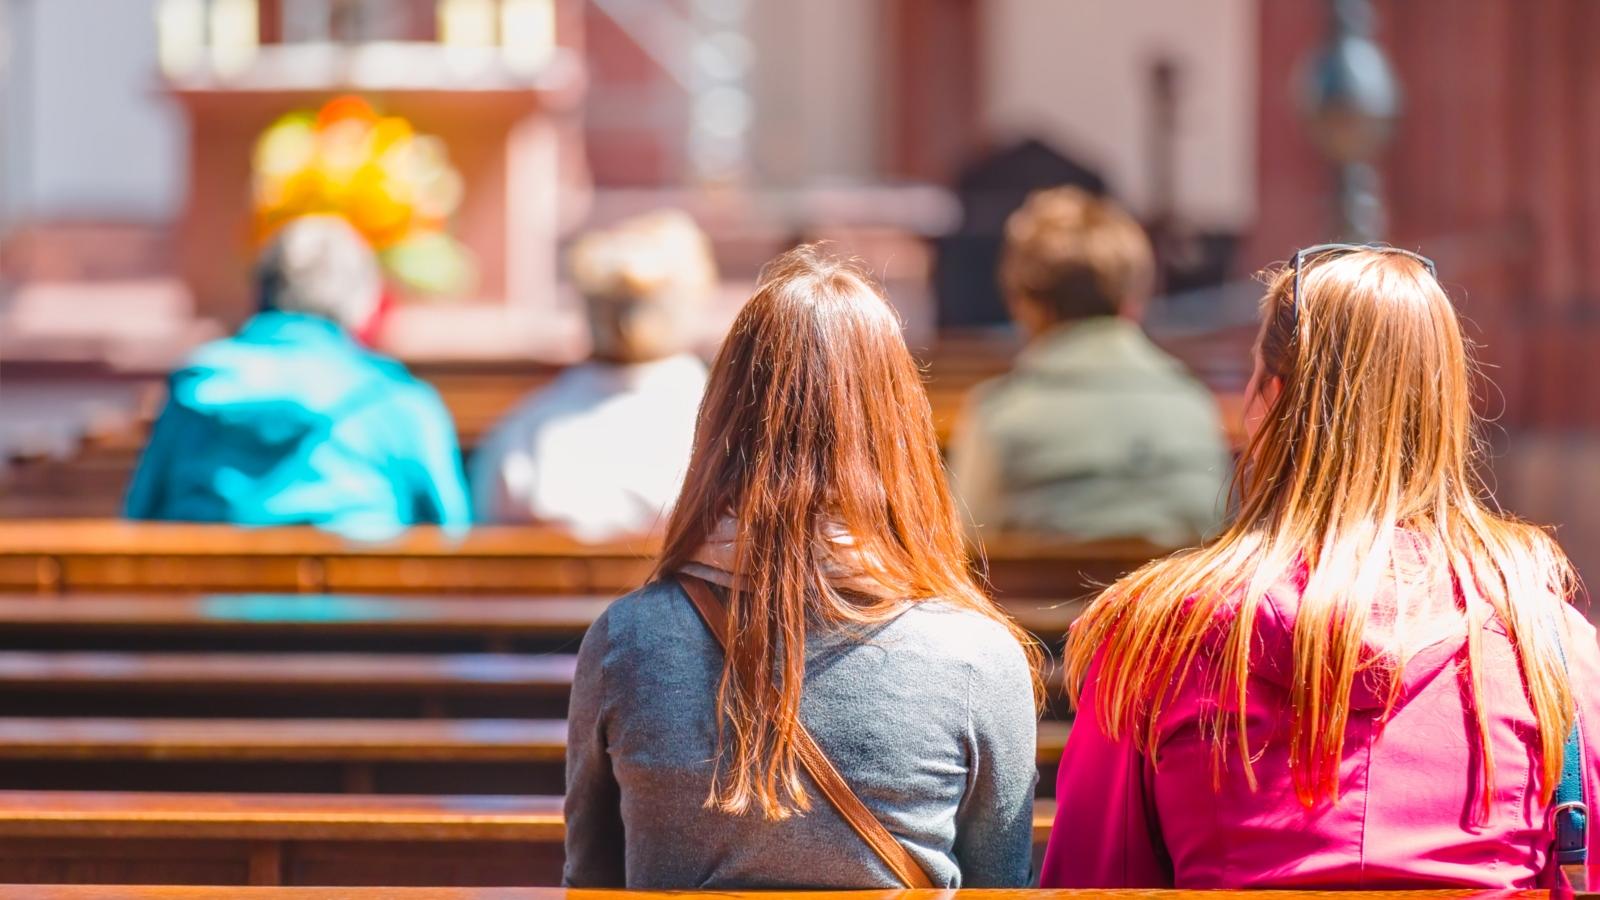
{"points": [[395, 186]]}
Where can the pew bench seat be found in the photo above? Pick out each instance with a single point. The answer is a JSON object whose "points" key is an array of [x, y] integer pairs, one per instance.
{"points": [[120, 838], [285, 740], [115, 683], [65, 556], [493, 622], [204, 892], [353, 740], [357, 756], [100, 683], [210, 672], [353, 756], [488, 619]]}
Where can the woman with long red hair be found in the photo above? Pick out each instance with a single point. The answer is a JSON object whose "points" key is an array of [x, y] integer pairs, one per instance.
{"points": [[812, 692], [1371, 678]]}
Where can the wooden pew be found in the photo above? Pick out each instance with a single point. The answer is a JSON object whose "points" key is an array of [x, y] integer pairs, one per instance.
{"points": [[339, 621], [479, 393], [246, 672], [119, 838], [462, 756], [315, 655], [303, 621], [1029, 566], [58, 556], [54, 556], [289, 740], [285, 684], [167, 892], [356, 756], [115, 838]]}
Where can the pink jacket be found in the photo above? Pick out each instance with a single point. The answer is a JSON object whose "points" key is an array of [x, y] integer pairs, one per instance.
{"points": [[1407, 816]]}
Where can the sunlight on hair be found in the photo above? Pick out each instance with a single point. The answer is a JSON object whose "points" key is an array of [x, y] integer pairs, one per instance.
{"points": [[815, 419], [1366, 459]]}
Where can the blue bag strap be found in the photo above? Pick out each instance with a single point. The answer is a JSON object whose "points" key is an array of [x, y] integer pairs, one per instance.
{"points": [[1569, 815]]}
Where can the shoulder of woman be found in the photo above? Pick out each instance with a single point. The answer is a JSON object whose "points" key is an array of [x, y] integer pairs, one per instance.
{"points": [[963, 632], [1582, 630], [646, 607]]}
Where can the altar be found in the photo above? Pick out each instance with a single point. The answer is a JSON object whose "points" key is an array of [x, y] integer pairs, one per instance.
{"points": [[489, 87]]}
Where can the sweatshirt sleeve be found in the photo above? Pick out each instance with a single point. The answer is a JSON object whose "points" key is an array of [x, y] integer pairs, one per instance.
{"points": [[595, 856], [438, 483], [1106, 834], [146, 498], [994, 824]]}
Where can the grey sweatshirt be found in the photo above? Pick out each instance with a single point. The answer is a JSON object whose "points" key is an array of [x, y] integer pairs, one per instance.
{"points": [[929, 717]]}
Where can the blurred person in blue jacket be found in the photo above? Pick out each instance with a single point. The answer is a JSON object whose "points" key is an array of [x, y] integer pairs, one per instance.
{"points": [[292, 422]]}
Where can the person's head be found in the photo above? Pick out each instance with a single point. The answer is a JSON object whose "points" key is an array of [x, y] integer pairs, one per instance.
{"points": [[646, 282], [321, 266], [814, 422], [1362, 430], [1367, 324], [1072, 255]]}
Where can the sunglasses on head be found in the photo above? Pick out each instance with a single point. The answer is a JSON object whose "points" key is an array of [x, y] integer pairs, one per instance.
{"points": [[1301, 257]]}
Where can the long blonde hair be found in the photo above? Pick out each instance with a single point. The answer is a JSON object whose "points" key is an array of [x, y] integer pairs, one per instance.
{"points": [[814, 416], [1372, 434]]}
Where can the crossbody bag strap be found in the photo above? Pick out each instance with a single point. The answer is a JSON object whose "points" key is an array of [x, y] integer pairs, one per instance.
{"points": [[1569, 811], [816, 763]]}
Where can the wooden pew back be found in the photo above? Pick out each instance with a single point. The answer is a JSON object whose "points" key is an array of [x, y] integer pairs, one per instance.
{"points": [[56, 556], [59, 556], [288, 839]]}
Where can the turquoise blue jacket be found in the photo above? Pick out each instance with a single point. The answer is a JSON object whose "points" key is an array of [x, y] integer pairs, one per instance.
{"points": [[291, 422]]}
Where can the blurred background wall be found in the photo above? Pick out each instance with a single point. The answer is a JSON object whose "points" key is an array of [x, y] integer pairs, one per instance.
{"points": [[903, 128], [1079, 75]]}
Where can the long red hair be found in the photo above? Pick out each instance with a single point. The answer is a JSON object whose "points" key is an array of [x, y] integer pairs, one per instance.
{"points": [[1371, 436], [815, 415]]}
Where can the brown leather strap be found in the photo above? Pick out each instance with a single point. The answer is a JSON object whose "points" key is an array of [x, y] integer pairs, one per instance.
{"points": [[816, 763]]}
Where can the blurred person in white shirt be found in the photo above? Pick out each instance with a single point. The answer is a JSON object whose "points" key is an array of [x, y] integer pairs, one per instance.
{"points": [[602, 450]]}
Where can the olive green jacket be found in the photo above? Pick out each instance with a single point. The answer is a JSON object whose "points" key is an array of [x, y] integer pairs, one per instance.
{"points": [[1096, 433]]}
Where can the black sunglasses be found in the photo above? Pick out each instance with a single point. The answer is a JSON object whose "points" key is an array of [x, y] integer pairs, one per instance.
{"points": [[1300, 257]]}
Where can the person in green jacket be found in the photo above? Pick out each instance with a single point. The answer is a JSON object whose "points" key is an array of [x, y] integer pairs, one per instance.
{"points": [[1096, 432], [291, 421]]}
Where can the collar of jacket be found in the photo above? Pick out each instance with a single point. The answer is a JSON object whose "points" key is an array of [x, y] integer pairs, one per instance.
{"points": [[279, 327], [1094, 345]]}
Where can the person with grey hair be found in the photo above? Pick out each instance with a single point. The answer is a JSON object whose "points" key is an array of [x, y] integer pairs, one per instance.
{"points": [[320, 266], [291, 421], [602, 451]]}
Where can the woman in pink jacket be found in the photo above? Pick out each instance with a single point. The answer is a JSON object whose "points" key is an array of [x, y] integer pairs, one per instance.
{"points": [[1368, 679]]}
